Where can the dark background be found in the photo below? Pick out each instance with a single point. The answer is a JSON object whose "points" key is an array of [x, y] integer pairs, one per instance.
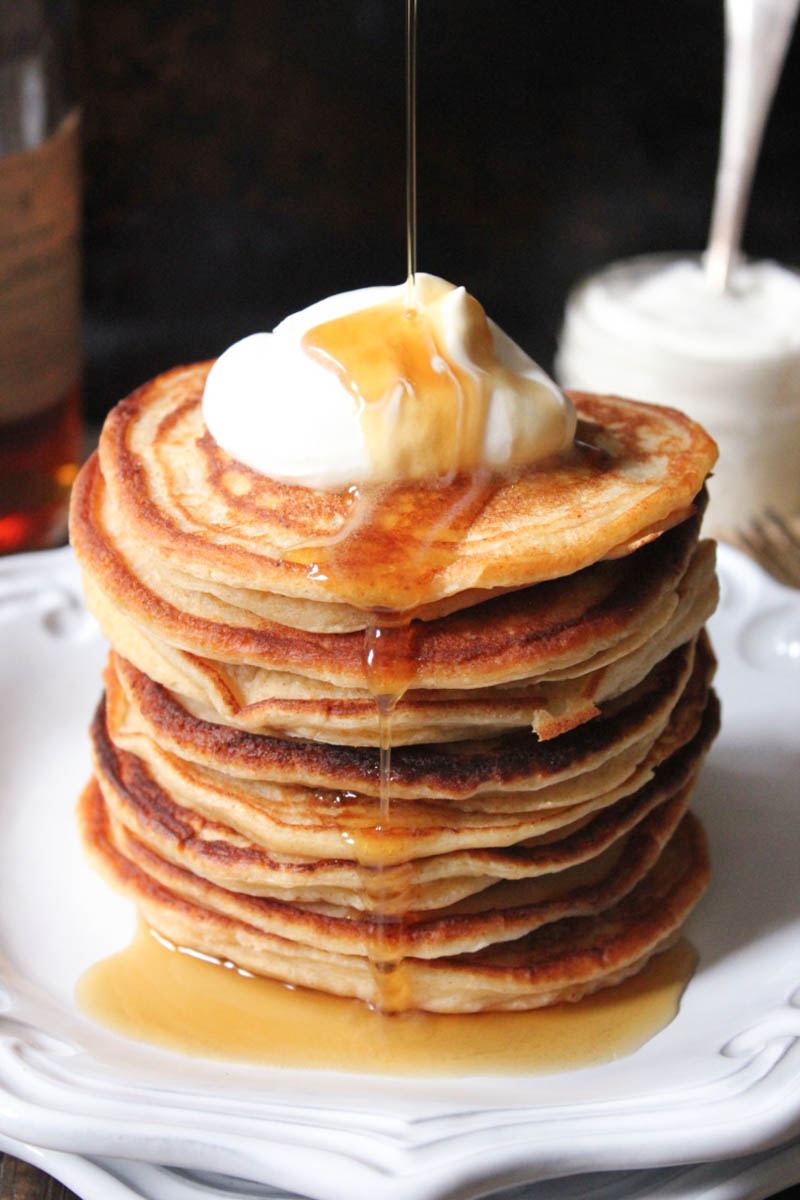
{"points": [[243, 159]]}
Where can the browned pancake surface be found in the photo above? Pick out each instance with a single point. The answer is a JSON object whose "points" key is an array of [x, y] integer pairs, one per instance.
{"points": [[561, 960], [509, 637], [223, 855], [522, 867], [514, 761], [635, 471]]}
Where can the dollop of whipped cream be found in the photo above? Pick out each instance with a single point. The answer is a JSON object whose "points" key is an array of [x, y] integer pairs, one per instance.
{"points": [[376, 386]]}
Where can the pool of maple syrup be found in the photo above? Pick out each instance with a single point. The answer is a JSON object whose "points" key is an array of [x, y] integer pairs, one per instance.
{"points": [[156, 993]]}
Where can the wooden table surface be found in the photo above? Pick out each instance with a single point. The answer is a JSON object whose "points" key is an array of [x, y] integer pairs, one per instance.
{"points": [[19, 1181]]}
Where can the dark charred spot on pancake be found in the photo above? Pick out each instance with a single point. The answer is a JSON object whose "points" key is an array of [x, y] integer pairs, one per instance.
{"points": [[606, 429]]}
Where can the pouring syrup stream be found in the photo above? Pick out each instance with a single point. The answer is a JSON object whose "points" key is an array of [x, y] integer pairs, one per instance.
{"points": [[385, 964], [411, 149]]}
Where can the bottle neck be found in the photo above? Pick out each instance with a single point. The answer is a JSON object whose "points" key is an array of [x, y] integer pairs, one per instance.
{"points": [[35, 86]]}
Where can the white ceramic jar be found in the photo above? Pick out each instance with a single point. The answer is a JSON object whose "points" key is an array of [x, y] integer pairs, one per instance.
{"points": [[654, 329]]}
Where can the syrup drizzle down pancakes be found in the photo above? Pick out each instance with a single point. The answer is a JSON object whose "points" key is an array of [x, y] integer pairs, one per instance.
{"points": [[543, 679]]}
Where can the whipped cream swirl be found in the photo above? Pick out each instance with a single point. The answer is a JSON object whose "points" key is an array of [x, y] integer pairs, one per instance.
{"points": [[370, 387]]}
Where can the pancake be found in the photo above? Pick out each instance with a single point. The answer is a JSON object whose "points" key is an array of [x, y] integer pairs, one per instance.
{"points": [[635, 471], [456, 770], [561, 960], [596, 596], [221, 854], [504, 911], [285, 704], [308, 824], [529, 633]]}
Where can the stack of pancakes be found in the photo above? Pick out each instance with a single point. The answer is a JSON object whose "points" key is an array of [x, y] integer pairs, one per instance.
{"points": [[555, 711]]}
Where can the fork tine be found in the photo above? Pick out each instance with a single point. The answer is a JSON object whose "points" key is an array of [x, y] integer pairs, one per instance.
{"points": [[772, 542], [791, 535], [763, 555]]}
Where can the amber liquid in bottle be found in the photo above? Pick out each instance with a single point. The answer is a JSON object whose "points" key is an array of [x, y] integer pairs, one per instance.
{"points": [[40, 428], [39, 459]]}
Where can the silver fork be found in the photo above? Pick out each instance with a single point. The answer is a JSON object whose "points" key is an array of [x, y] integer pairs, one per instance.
{"points": [[774, 542]]}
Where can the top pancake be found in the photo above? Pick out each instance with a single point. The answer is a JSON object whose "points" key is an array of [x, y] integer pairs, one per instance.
{"points": [[635, 471]]}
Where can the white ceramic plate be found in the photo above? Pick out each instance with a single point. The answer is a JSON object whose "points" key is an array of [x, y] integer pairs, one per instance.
{"points": [[754, 1177], [722, 1080]]}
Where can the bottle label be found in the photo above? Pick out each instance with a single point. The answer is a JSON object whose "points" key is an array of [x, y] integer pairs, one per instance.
{"points": [[39, 274]]}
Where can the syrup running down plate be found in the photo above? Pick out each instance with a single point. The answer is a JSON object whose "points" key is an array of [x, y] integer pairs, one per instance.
{"points": [[722, 1080]]}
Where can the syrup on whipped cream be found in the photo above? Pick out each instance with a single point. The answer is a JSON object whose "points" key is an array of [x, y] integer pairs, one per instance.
{"points": [[366, 387]]}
